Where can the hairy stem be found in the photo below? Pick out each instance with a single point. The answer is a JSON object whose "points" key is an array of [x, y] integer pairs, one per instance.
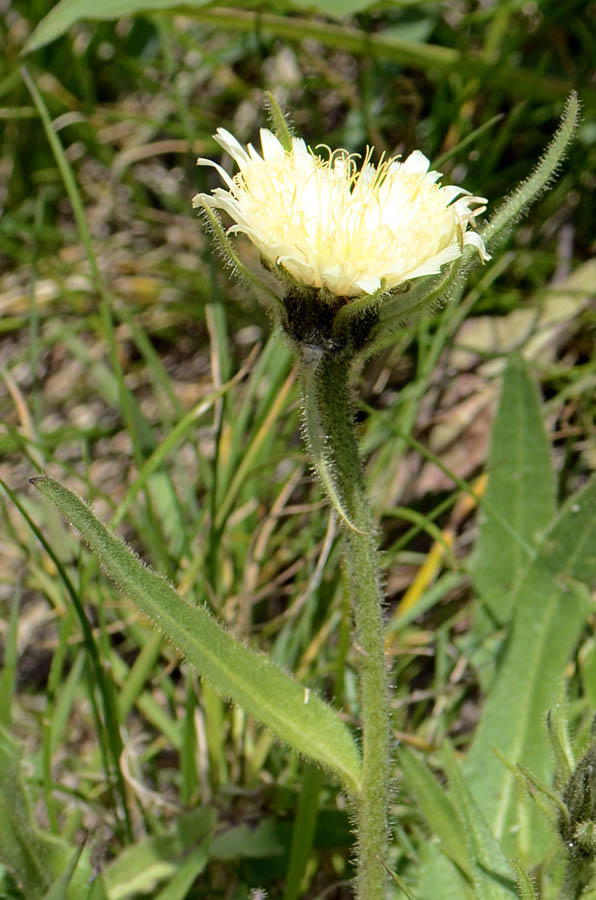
{"points": [[330, 434], [578, 875]]}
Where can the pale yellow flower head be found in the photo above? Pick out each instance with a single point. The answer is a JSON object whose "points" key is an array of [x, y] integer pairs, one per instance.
{"points": [[331, 224]]}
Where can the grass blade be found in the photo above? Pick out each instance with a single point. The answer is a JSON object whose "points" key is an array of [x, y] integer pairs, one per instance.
{"points": [[428, 57], [9, 664], [108, 730], [304, 831]]}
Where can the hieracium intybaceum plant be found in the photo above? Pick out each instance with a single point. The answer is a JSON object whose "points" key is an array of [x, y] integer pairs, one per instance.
{"points": [[356, 250], [345, 241]]}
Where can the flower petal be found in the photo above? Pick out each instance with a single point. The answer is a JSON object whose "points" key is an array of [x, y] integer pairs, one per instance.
{"points": [[333, 225]]}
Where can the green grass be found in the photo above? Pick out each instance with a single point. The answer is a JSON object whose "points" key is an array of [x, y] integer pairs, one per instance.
{"points": [[134, 371]]}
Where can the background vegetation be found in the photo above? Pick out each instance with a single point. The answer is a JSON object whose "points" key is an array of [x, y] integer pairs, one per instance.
{"points": [[134, 371]]}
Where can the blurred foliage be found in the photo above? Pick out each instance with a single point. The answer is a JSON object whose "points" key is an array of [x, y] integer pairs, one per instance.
{"points": [[109, 360]]}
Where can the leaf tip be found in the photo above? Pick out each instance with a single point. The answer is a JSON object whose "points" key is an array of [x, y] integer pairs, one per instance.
{"points": [[38, 480], [279, 121]]}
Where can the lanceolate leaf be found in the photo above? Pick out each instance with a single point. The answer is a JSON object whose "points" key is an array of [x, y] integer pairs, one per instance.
{"points": [[33, 858], [141, 866], [74, 884], [550, 607], [28, 855], [433, 802], [66, 12], [280, 125], [439, 878], [513, 207], [521, 489], [294, 714], [525, 885], [491, 872]]}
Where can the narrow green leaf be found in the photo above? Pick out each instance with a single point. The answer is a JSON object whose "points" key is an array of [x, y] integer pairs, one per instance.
{"points": [[215, 719], [551, 605], [138, 674], [402, 885], [525, 885], [333, 8], [512, 209], [9, 664], [491, 873], [412, 298], [145, 703], [110, 740], [60, 886], [186, 873], [294, 714], [521, 489], [268, 839], [66, 12], [28, 855], [439, 878], [62, 706], [251, 451], [33, 858], [557, 723], [141, 866], [227, 250], [543, 796], [279, 122], [189, 772], [65, 885], [303, 833], [456, 150], [435, 805]]}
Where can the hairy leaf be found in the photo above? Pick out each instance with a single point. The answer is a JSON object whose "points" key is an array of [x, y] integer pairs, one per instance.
{"points": [[33, 858], [521, 488], [550, 607], [294, 714]]}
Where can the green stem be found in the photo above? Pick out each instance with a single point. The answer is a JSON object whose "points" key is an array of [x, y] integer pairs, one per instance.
{"points": [[330, 434], [578, 875]]}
